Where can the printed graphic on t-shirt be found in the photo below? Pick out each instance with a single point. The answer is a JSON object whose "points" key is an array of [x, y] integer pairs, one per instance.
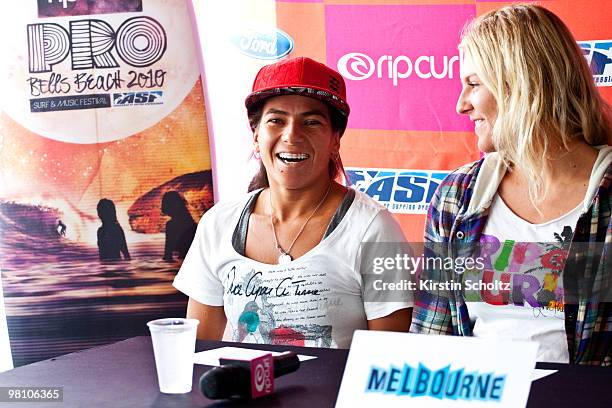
{"points": [[284, 305], [530, 271]]}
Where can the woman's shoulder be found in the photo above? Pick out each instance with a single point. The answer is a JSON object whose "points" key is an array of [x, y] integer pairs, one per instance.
{"points": [[225, 210], [464, 174], [372, 221], [602, 169], [460, 183], [367, 203], [368, 208], [463, 188]]}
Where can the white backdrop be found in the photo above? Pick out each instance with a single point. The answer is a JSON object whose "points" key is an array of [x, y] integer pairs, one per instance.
{"points": [[218, 23]]}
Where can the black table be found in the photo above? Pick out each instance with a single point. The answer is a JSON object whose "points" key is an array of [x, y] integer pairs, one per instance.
{"points": [[123, 375]]}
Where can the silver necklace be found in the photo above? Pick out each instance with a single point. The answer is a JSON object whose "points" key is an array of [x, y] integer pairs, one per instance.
{"points": [[285, 256]]}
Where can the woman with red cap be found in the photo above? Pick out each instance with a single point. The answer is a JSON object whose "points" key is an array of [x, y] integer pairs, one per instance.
{"points": [[285, 265]]}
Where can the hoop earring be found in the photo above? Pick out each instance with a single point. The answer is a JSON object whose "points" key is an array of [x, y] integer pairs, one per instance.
{"points": [[335, 157], [256, 155]]}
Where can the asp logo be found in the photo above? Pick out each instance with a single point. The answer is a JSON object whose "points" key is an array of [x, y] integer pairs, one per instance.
{"points": [[138, 98], [270, 44], [599, 56], [401, 191], [357, 66]]}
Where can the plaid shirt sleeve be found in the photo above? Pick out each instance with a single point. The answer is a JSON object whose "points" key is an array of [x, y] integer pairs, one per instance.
{"points": [[434, 310], [590, 337], [431, 313]]}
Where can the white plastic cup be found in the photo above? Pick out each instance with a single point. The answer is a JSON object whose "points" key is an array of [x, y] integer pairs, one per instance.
{"points": [[174, 346]]}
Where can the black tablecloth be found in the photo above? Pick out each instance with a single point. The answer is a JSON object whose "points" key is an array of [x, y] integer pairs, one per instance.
{"points": [[123, 375]]}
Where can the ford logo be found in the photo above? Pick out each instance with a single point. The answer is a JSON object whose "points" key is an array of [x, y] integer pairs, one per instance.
{"points": [[264, 44]]}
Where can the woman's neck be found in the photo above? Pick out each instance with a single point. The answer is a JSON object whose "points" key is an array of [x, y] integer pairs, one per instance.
{"points": [[288, 204], [563, 175], [565, 184], [568, 165], [563, 164]]}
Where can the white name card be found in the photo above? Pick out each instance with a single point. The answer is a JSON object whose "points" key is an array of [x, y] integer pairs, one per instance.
{"points": [[387, 369]]}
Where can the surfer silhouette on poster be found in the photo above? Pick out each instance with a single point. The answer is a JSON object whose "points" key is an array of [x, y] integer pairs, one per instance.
{"points": [[60, 228], [111, 239], [181, 228]]}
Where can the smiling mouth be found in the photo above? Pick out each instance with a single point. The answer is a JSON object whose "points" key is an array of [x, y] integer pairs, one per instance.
{"points": [[292, 157]]}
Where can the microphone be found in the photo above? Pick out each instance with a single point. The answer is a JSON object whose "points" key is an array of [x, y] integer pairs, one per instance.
{"points": [[247, 378]]}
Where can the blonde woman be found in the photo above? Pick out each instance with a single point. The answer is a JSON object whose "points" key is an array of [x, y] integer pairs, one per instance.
{"points": [[542, 190]]}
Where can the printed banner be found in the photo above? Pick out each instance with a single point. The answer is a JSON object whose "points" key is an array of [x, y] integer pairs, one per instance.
{"points": [[105, 169], [402, 192], [237, 38], [402, 77], [599, 56], [400, 82]]}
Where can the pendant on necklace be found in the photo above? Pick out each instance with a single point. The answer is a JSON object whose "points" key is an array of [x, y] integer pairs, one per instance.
{"points": [[284, 258]]}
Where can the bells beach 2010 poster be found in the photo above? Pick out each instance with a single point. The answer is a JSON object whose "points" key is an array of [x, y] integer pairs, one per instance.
{"points": [[104, 166]]}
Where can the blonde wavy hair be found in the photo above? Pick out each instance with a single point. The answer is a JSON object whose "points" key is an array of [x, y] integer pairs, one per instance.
{"points": [[545, 93]]}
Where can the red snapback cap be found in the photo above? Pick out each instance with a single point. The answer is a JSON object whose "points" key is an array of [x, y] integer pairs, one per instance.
{"points": [[300, 76]]}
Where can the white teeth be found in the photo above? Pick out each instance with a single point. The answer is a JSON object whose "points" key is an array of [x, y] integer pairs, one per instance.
{"points": [[293, 157]]}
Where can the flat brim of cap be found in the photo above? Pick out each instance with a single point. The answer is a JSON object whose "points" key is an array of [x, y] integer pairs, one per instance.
{"points": [[310, 92]]}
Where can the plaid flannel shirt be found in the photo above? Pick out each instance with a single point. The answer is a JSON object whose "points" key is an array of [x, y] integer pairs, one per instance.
{"points": [[588, 323]]}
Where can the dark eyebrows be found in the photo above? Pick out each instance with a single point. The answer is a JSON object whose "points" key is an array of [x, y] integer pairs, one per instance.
{"points": [[273, 111], [313, 112]]}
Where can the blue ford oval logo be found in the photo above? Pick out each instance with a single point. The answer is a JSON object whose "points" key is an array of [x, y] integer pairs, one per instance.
{"points": [[264, 44]]}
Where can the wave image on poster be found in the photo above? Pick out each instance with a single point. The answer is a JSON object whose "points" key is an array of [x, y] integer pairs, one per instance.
{"points": [[104, 169]]}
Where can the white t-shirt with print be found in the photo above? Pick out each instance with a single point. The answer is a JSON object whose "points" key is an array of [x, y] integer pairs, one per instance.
{"points": [[315, 300], [530, 258]]}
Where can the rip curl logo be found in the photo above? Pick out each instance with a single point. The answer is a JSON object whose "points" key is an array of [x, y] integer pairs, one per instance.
{"points": [[401, 191], [415, 382], [599, 57], [356, 66]]}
